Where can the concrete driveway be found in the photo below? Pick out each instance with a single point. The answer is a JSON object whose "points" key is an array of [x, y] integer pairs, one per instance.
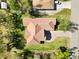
{"points": [[64, 5]]}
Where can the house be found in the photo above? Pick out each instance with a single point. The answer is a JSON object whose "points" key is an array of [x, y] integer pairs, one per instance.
{"points": [[41, 30], [3, 4], [44, 4], [38, 30]]}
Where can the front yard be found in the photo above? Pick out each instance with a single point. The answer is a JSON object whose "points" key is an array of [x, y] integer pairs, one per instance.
{"points": [[63, 19], [62, 41]]}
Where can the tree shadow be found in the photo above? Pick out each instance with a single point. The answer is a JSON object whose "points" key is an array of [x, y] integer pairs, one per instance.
{"points": [[27, 53], [63, 49], [44, 55], [57, 23], [73, 27], [37, 13]]}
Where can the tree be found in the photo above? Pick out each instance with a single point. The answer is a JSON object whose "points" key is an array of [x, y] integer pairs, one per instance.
{"points": [[17, 8], [11, 20], [63, 53]]}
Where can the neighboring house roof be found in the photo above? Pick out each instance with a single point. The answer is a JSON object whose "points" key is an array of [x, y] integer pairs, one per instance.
{"points": [[43, 4], [45, 23]]}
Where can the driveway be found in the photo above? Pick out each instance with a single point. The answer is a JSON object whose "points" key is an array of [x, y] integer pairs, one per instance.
{"points": [[64, 5]]}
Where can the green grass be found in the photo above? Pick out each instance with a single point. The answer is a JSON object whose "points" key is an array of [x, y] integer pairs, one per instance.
{"points": [[63, 14], [63, 17], [48, 46]]}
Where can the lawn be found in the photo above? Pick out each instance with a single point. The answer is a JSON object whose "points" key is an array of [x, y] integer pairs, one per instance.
{"points": [[62, 41], [63, 14], [63, 19]]}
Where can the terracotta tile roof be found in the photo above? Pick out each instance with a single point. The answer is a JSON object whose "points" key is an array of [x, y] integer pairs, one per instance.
{"points": [[43, 4], [45, 23], [35, 28]]}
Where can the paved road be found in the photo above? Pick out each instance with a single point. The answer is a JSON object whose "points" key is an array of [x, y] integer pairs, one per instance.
{"points": [[75, 19]]}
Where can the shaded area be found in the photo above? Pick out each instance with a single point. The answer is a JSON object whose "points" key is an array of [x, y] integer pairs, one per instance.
{"points": [[73, 27], [47, 34], [63, 49], [27, 54], [57, 23]]}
